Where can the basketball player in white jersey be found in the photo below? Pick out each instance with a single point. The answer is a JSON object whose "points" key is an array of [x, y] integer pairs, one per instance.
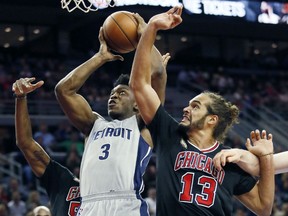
{"points": [[116, 152]]}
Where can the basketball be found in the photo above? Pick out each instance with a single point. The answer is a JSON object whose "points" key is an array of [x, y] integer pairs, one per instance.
{"points": [[120, 32]]}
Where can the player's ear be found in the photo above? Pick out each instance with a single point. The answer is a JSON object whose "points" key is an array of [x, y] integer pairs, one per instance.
{"points": [[135, 107], [213, 119]]}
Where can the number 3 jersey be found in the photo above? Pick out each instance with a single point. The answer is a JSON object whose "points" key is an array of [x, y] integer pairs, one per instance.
{"points": [[187, 182], [114, 159]]}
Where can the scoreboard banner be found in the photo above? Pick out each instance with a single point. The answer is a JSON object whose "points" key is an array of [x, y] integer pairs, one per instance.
{"points": [[254, 11], [268, 12]]}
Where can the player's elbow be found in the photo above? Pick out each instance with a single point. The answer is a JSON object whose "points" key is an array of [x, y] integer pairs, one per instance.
{"points": [[133, 85], [58, 90], [62, 88], [266, 208], [264, 212], [23, 143]]}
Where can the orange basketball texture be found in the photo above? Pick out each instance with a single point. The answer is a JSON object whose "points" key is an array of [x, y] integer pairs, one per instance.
{"points": [[120, 32]]}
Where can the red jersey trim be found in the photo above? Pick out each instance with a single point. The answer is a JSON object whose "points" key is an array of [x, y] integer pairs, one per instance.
{"points": [[210, 149]]}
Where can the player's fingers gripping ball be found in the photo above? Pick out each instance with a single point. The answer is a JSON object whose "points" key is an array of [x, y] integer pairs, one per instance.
{"points": [[120, 31]]}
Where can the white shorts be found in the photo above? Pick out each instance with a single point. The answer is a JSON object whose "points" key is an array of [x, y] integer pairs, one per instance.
{"points": [[124, 203]]}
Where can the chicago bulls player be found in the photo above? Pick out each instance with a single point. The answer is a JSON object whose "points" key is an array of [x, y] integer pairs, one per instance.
{"points": [[187, 183], [61, 185]]}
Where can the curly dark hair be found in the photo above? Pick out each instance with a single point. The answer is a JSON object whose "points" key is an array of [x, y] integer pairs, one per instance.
{"points": [[227, 112]]}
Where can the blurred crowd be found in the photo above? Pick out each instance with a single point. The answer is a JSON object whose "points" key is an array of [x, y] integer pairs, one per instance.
{"points": [[241, 87], [253, 85]]}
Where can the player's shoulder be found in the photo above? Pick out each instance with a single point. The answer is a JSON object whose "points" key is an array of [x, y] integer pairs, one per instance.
{"points": [[97, 116], [56, 166]]}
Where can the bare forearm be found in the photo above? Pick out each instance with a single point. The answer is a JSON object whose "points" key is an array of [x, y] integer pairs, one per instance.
{"points": [[73, 81], [37, 158], [142, 59], [281, 162], [140, 80], [159, 75], [249, 162], [76, 108], [156, 61], [266, 185], [158, 83], [33, 152], [22, 123]]}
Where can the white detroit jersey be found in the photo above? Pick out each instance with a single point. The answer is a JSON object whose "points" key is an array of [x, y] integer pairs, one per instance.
{"points": [[113, 162]]}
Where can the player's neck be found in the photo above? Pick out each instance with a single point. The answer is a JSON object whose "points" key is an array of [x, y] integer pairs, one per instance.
{"points": [[201, 139]]}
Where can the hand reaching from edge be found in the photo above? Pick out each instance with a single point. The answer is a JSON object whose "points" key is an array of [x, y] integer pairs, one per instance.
{"points": [[226, 156], [24, 86], [165, 58], [261, 144]]}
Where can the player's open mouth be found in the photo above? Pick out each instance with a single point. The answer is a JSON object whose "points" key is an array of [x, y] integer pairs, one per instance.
{"points": [[111, 103], [185, 118]]}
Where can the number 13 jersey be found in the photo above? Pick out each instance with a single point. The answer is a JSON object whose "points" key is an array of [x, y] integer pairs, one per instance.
{"points": [[187, 181]]}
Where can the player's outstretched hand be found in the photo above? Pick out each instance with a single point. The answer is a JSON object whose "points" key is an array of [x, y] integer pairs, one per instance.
{"points": [[167, 20], [24, 86], [104, 50], [227, 156], [165, 58], [261, 144]]}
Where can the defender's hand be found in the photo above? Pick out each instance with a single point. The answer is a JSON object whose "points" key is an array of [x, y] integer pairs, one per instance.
{"points": [[261, 144], [24, 86], [226, 156]]}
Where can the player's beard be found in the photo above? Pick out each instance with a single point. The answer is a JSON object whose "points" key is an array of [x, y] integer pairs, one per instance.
{"points": [[198, 125]]}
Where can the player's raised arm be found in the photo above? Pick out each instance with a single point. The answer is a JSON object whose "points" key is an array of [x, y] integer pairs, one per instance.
{"points": [[140, 81], [248, 161], [159, 75], [243, 158], [73, 104], [158, 64], [261, 198], [35, 155], [281, 162]]}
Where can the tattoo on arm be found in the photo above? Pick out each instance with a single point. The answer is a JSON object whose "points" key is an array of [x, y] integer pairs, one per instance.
{"points": [[40, 156]]}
